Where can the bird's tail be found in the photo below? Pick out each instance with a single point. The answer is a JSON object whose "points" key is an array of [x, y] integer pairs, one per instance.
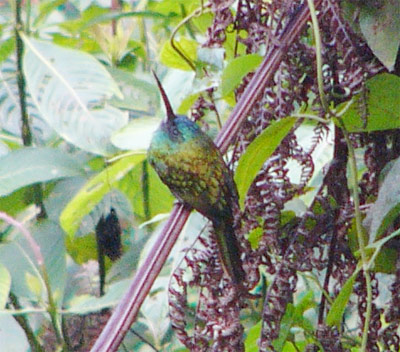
{"points": [[229, 251]]}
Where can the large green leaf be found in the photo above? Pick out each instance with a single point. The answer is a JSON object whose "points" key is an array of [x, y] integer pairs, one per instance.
{"points": [[380, 26], [382, 106], [18, 262], [139, 95], [387, 206], [335, 315], [12, 336], [93, 191], [70, 89], [258, 152], [10, 112], [17, 256], [87, 304], [50, 238], [253, 335], [26, 166]]}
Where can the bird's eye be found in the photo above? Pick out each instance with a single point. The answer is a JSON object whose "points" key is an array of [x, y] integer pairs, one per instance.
{"points": [[175, 132]]}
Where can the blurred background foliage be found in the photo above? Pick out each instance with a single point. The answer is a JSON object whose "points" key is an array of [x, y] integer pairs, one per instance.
{"points": [[78, 159]]}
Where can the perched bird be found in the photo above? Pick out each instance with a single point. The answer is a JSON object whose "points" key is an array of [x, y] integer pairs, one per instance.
{"points": [[189, 163]]}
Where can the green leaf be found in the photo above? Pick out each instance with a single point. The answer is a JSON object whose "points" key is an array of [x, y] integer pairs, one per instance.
{"points": [[187, 103], [306, 301], [203, 22], [212, 56], [14, 257], [70, 88], [30, 165], [236, 70], [45, 10], [335, 315], [233, 47], [34, 284], [82, 248], [93, 191], [6, 48], [12, 336], [77, 25], [294, 317], [5, 285], [385, 261], [84, 42], [14, 202], [17, 256], [380, 26], [139, 95], [289, 347], [89, 304], [255, 236], [258, 152], [108, 17], [136, 135], [159, 196], [251, 342], [284, 331], [387, 206], [50, 238], [169, 57], [383, 96], [173, 7]]}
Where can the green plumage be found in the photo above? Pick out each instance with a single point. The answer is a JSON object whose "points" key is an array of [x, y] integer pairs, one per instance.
{"points": [[190, 164]]}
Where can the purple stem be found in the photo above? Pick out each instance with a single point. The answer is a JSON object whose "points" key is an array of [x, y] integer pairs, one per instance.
{"points": [[28, 236]]}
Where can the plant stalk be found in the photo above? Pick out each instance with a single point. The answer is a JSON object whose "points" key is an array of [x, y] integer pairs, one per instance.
{"points": [[22, 320], [353, 175], [26, 130]]}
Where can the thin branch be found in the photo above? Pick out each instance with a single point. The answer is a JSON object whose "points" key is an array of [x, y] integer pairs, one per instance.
{"points": [[353, 178], [144, 340], [318, 55], [26, 130], [24, 323], [360, 233], [198, 12], [145, 190]]}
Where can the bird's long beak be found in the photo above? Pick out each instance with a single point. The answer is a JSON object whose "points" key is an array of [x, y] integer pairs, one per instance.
{"points": [[170, 113]]}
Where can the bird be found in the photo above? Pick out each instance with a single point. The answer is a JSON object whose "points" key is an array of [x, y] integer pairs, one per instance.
{"points": [[189, 163]]}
